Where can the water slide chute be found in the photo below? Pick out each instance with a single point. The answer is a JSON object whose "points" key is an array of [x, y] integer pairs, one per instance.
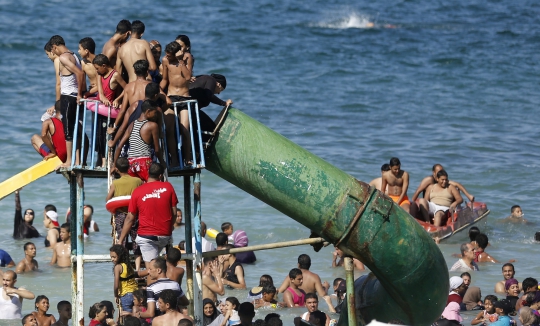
{"points": [[409, 279]]}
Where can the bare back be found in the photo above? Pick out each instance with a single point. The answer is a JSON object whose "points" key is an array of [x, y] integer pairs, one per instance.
{"points": [[131, 52], [175, 273], [110, 49], [170, 318], [134, 91]]}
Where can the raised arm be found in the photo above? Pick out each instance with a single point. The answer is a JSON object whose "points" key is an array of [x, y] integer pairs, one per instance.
{"points": [[150, 57], [18, 219], [165, 74]]}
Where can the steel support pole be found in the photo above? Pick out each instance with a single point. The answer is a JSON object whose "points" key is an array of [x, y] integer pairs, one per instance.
{"points": [[197, 288], [349, 272], [77, 244]]}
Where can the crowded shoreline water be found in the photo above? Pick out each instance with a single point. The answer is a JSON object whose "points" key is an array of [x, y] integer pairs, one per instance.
{"points": [[452, 83]]}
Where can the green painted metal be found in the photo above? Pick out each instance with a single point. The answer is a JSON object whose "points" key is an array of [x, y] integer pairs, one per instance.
{"points": [[363, 222]]}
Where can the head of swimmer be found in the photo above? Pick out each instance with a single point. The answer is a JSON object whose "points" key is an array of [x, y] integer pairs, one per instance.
{"points": [[88, 212], [149, 109], [8, 279], [516, 211], [29, 216], [395, 165]]}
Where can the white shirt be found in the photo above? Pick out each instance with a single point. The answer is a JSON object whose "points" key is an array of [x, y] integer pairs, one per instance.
{"points": [[206, 245], [461, 265]]}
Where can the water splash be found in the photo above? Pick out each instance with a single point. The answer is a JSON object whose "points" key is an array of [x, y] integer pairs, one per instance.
{"points": [[351, 20]]}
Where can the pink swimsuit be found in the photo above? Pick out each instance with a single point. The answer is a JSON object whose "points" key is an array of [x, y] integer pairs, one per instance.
{"points": [[298, 299]]}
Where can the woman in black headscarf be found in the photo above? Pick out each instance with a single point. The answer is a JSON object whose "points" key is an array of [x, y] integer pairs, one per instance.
{"points": [[22, 225], [210, 312]]}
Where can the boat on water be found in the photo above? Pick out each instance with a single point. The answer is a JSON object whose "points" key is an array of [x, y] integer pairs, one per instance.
{"points": [[464, 217]]}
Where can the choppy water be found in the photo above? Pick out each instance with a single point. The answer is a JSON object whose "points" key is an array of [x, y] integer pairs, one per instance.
{"points": [[451, 82]]}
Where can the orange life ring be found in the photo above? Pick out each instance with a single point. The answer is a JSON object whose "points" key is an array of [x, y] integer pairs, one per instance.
{"points": [[117, 202]]}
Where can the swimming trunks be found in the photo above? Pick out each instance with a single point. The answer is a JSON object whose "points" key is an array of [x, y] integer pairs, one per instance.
{"points": [[434, 208], [139, 166], [404, 200], [44, 150]]}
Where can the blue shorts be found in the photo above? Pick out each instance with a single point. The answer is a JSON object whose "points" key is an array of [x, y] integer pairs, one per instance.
{"points": [[127, 302]]}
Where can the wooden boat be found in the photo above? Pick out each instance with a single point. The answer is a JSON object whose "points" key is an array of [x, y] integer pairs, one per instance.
{"points": [[463, 218]]}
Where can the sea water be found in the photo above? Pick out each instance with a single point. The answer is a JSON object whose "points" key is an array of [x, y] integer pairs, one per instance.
{"points": [[451, 82]]}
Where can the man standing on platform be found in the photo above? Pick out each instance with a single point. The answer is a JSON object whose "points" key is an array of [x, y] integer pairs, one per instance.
{"points": [[155, 204]]}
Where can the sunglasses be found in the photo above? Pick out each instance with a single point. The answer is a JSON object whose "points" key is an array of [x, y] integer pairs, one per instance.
{"points": [[29, 213]]}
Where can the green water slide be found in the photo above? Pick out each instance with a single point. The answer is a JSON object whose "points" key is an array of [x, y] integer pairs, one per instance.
{"points": [[409, 279]]}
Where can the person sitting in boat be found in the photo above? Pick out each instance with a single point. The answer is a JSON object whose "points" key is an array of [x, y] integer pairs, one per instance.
{"points": [[439, 199], [397, 181], [378, 181], [432, 179]]}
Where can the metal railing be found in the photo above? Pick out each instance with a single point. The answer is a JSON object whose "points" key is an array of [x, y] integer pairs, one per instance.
{"points": [[83, 125]]}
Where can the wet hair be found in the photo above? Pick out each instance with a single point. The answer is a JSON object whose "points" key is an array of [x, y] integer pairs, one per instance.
{"points": [[148, 105], [27, 244], [294, 273], [172, 47], [155, 170], [269, 289], [509, 264], [48, 47], [304, 261], [151, 90], [182, 245], [466, 274], [88, 43], [123, 27], [266, 280], [220, 79], [50, 207], [491, 298], [140, 294], [122, 164], [317, 318], [173, 256], [225, 226], [234, 301], [141, 67], [161, 263], [25, 318], [123, 257], [185, 322], [528, 283], [62, 303], [110, 308], [442, 173], [394, 161], [57, 40], [482, 240], [38, 300], [385, 167], [101, 60], [132, 321], [435, 166], [338, 280], [95, 309], [473, 233], [311, 295], [168, 296], [221, 239], [185, 40], [137, 27], [511, 209], [65, 226]]}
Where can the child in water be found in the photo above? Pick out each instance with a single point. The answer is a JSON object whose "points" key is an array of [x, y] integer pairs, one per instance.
{"points": [[516, 215], [124, 277], [42, 317], [488, 315], [139, 304]]}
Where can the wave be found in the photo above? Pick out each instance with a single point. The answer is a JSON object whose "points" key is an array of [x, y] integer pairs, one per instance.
{"points": [[352, 20]]}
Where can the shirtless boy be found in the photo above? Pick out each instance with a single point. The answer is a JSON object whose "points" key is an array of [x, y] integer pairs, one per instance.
{"points": [[167, 303], [432, 179], [135, 49], [311, 281], [516, 215], [397, 181], [378, 181], [64, 313], [211, 279], [71, 89], [176, 79], [508, 272], [174, 273], [87, 48], [29, 263], [110, 48], [294, 296], [62, 251]]}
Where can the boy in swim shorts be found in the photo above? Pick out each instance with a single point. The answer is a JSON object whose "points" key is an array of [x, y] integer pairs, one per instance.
{"points": [[397, 181]]}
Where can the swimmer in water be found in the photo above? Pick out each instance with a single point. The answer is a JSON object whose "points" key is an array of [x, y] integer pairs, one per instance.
{"points": [[516, 215], [62, 251]]}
